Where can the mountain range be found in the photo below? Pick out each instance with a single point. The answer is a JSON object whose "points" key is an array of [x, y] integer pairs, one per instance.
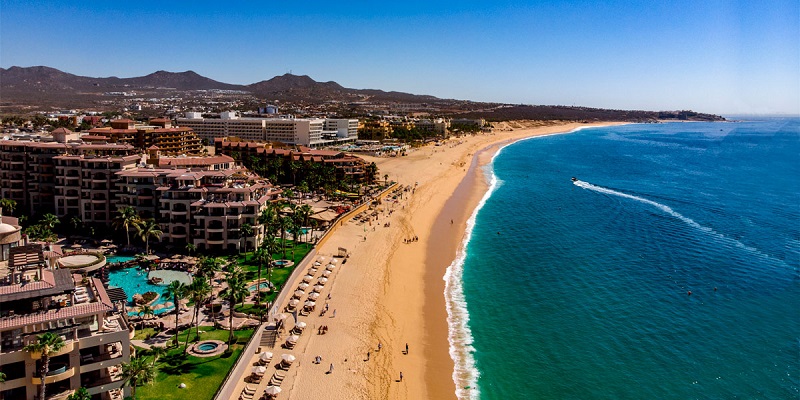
{"points": [[50, 86]]}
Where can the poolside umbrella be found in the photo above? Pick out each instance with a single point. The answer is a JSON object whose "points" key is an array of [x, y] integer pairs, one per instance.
{"points": [[169, 304], [265, 356], [309, 304], [313, 296], [326, 274], [317, 288], [288, 358], [323, 280], [272, 390], [300, 325], [299, 293], [158, 306], [292, 339], [294, 302], [303, 286], [259, 370]]}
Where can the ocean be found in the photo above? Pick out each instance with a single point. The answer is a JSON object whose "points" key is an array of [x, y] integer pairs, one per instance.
{"points": [[670, 269]]}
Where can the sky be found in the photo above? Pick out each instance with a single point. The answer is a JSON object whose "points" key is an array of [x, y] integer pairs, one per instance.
{"points": [[724, 57]]}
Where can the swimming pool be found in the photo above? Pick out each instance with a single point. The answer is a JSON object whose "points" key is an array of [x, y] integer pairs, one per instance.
{"points": [[133, 281], [263, 285]]}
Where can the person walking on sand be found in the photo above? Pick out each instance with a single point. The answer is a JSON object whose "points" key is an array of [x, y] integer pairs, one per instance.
{"points": [[406, 348], [379, 346], [330, 370], [401, 376], [367, 356]]}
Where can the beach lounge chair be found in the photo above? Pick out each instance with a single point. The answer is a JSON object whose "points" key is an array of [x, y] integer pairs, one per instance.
{"points": [[277, 379]]}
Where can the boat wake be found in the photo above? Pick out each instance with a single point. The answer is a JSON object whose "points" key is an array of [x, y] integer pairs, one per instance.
{"points": [[668, 210]]}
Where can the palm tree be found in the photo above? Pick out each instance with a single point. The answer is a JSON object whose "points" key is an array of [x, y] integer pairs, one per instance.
{"points": [[137, 371], [176, 291], [270, 247], [208, 268], [371, 170], [190, 248], [2, 377], [247, 231], [236, 292], [80, 394], [148, 228], [157, 352], [76, 222], [128, 218], [386, 180], [50, 220], [8, 205], [146, 310], [46, 345], [198, 292]]}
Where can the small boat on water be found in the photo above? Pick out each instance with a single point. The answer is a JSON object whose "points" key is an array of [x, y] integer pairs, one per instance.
{"points": [[574, 179]]}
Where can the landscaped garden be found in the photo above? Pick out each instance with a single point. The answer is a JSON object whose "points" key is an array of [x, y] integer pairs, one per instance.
{"points": [[295, 252], [202, 376]]}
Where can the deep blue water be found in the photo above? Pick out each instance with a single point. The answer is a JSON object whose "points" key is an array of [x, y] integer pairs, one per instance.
{"points": [[581, 290]]}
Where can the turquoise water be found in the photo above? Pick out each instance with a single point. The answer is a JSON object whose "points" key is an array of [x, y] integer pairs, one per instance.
{"points": [[580, 290], [118, 259], [262, 285], [207, 346], [133, 281]]}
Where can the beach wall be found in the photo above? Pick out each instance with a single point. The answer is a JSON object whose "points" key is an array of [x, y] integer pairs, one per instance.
{"points": [[350, 214], [226, 391]]}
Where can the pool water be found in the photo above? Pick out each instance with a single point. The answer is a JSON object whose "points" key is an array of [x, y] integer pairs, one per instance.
{"points": [[262, 285], [207, 346], [133, 280], [118, 259]]}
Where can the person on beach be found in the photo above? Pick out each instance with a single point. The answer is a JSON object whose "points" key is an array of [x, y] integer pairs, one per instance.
{"points": [[367, 356], [334, 314], [406, 348], [401, 376], [379, 346], [330, 370]]}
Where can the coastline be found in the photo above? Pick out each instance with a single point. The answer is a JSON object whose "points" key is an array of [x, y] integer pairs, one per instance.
{"points": [[392, 292]]}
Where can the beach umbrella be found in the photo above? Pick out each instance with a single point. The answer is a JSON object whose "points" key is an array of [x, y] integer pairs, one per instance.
{"points": [[317, 288], [299, 293], [288, 358], [326, 274], [294, 302], [309, 304], [281, 317], [301, 325], [323, 280], [313, 296], [330, 267], [334, 261], [272, 390], [312, 271], [265, 356], [303, 286], [259, 370], [293, 339], [317, 263], [307, 278]]}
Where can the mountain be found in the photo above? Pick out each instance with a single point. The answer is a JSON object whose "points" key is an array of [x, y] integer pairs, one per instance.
{"points": [[42, 85]]}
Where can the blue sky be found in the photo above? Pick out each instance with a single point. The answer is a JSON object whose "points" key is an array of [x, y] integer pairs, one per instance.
{"points": [[711, 56]]}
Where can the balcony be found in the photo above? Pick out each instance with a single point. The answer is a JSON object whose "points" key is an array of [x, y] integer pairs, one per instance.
{"points": [[68, 347], [55, 376]]}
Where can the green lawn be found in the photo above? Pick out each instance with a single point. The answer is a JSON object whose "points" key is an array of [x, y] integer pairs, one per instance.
{"points": [[202, 376], [144, 333]]}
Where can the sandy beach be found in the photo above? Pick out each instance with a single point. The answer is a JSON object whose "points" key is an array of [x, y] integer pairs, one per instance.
{"points": [[390, 291]]}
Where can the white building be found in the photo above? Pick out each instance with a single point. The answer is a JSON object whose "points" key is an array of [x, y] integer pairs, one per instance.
{"points": [[311, 132]]}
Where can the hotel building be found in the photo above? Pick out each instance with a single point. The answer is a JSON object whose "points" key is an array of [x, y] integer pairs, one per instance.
{"points": [[89, 319]]}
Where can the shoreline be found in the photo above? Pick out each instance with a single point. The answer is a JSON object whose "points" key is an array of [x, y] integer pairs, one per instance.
{"points": [[391, 291]]}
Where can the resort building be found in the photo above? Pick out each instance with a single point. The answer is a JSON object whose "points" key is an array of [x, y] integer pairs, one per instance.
{"points": [[160, 132], [209, 208], [347, 167], [311, 132], [38, 300], [86, 182], [10, 235]]}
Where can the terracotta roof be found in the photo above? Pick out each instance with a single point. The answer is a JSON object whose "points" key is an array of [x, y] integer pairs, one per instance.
{"points": [[76, 311], [153, 147], [62, 130], [52, 282], [184, 161]]}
